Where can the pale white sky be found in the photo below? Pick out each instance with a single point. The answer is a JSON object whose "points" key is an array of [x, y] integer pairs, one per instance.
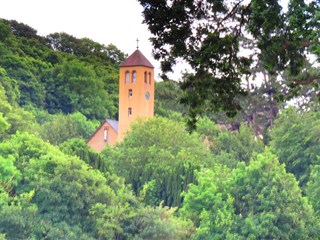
{"points": [[105, 21]]}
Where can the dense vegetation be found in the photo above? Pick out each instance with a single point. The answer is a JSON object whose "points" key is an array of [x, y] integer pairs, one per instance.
{"points": [[225, 42], [253, 177]]}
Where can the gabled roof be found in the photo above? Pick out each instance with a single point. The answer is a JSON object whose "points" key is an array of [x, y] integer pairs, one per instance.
{"points": [[136, 59], [113, 124]]}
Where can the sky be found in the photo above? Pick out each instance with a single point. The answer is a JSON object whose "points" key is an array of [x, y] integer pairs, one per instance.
{"points": [[117, 22]]}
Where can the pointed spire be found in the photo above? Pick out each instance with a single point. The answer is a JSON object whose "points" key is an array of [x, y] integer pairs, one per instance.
{"points": [[136, 59]]}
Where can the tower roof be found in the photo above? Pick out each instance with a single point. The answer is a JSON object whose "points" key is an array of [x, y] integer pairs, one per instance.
{"points": [[136, 59]]}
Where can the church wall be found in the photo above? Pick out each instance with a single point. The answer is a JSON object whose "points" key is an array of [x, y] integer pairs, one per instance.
{"points": [[141, 107], [98, 142]]}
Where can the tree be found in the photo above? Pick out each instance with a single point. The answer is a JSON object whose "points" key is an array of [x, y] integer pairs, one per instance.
{"points": [[75, 86], [61, 128], [158, 158], [84, 48], [167, 94], [5, 30], [10, 86], [17, 216], [9, 175], [295, 140], [208, 36], [241, 145], [12, 118], [79, 147], [258, 201], [313, 191], [64, 188], [58, 196], [21, 29], [230, 147], [144, 223], [59, 72]]}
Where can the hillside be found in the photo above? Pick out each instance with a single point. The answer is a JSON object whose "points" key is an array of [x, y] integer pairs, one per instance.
{"points": [[161, 181], [58, 72]]}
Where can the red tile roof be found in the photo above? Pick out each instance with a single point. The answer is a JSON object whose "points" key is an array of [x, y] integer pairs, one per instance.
{"points": [[136, 59]]}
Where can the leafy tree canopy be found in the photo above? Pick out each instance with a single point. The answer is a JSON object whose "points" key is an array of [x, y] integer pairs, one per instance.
{"points": [[209, 35], [313, 190], [258, 201], [295, 140], [59, 72], [56, 196], [158, 158]]}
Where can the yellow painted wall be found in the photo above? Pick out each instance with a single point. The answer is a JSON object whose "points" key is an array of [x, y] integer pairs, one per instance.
{"points": [[97, 141], [141, 107]]}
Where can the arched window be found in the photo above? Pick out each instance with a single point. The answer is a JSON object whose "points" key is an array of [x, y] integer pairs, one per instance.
{"points": [[145, 78], [134, 76], [127, 78], [149, 78], [105, 134]]}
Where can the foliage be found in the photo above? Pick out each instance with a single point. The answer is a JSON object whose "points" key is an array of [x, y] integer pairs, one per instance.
{"points": [[63, 127], [313, 191], [78, 147], [260, 106], [17, 216], [208, 35], [20, 120], [71, 88], [13, 119], [159, 223], [229, 148], [295, 140], [167, 94], [65, 187], [58, 196], [242, 145], [57, 86], [47, 73], [144, 223], [9, 175], [258, 201], [84, 47], [158, 158]]}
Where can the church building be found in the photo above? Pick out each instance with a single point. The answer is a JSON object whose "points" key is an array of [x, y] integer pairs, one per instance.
{"points": [[136, 99]]}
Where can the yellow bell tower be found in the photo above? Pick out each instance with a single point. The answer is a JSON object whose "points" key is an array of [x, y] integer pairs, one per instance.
{"points": [[136, 91]]}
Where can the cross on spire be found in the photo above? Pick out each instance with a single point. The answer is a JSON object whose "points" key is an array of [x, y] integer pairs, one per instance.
{"points": [[137, 43]]}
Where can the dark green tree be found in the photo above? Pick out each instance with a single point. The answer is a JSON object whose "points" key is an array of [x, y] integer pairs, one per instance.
{"points": [[208, 36], [241, 145], [58, 196], [61, 128], [78, 147], [17, 216], [167, 95], [295, 140], [158, 158], [313, 191], [258, 201], [229, 147], [76, 76], [74, 86]]}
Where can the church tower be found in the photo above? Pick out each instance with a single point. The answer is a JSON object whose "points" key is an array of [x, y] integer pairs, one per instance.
{"points": [[136, 91], [136, 99]]}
